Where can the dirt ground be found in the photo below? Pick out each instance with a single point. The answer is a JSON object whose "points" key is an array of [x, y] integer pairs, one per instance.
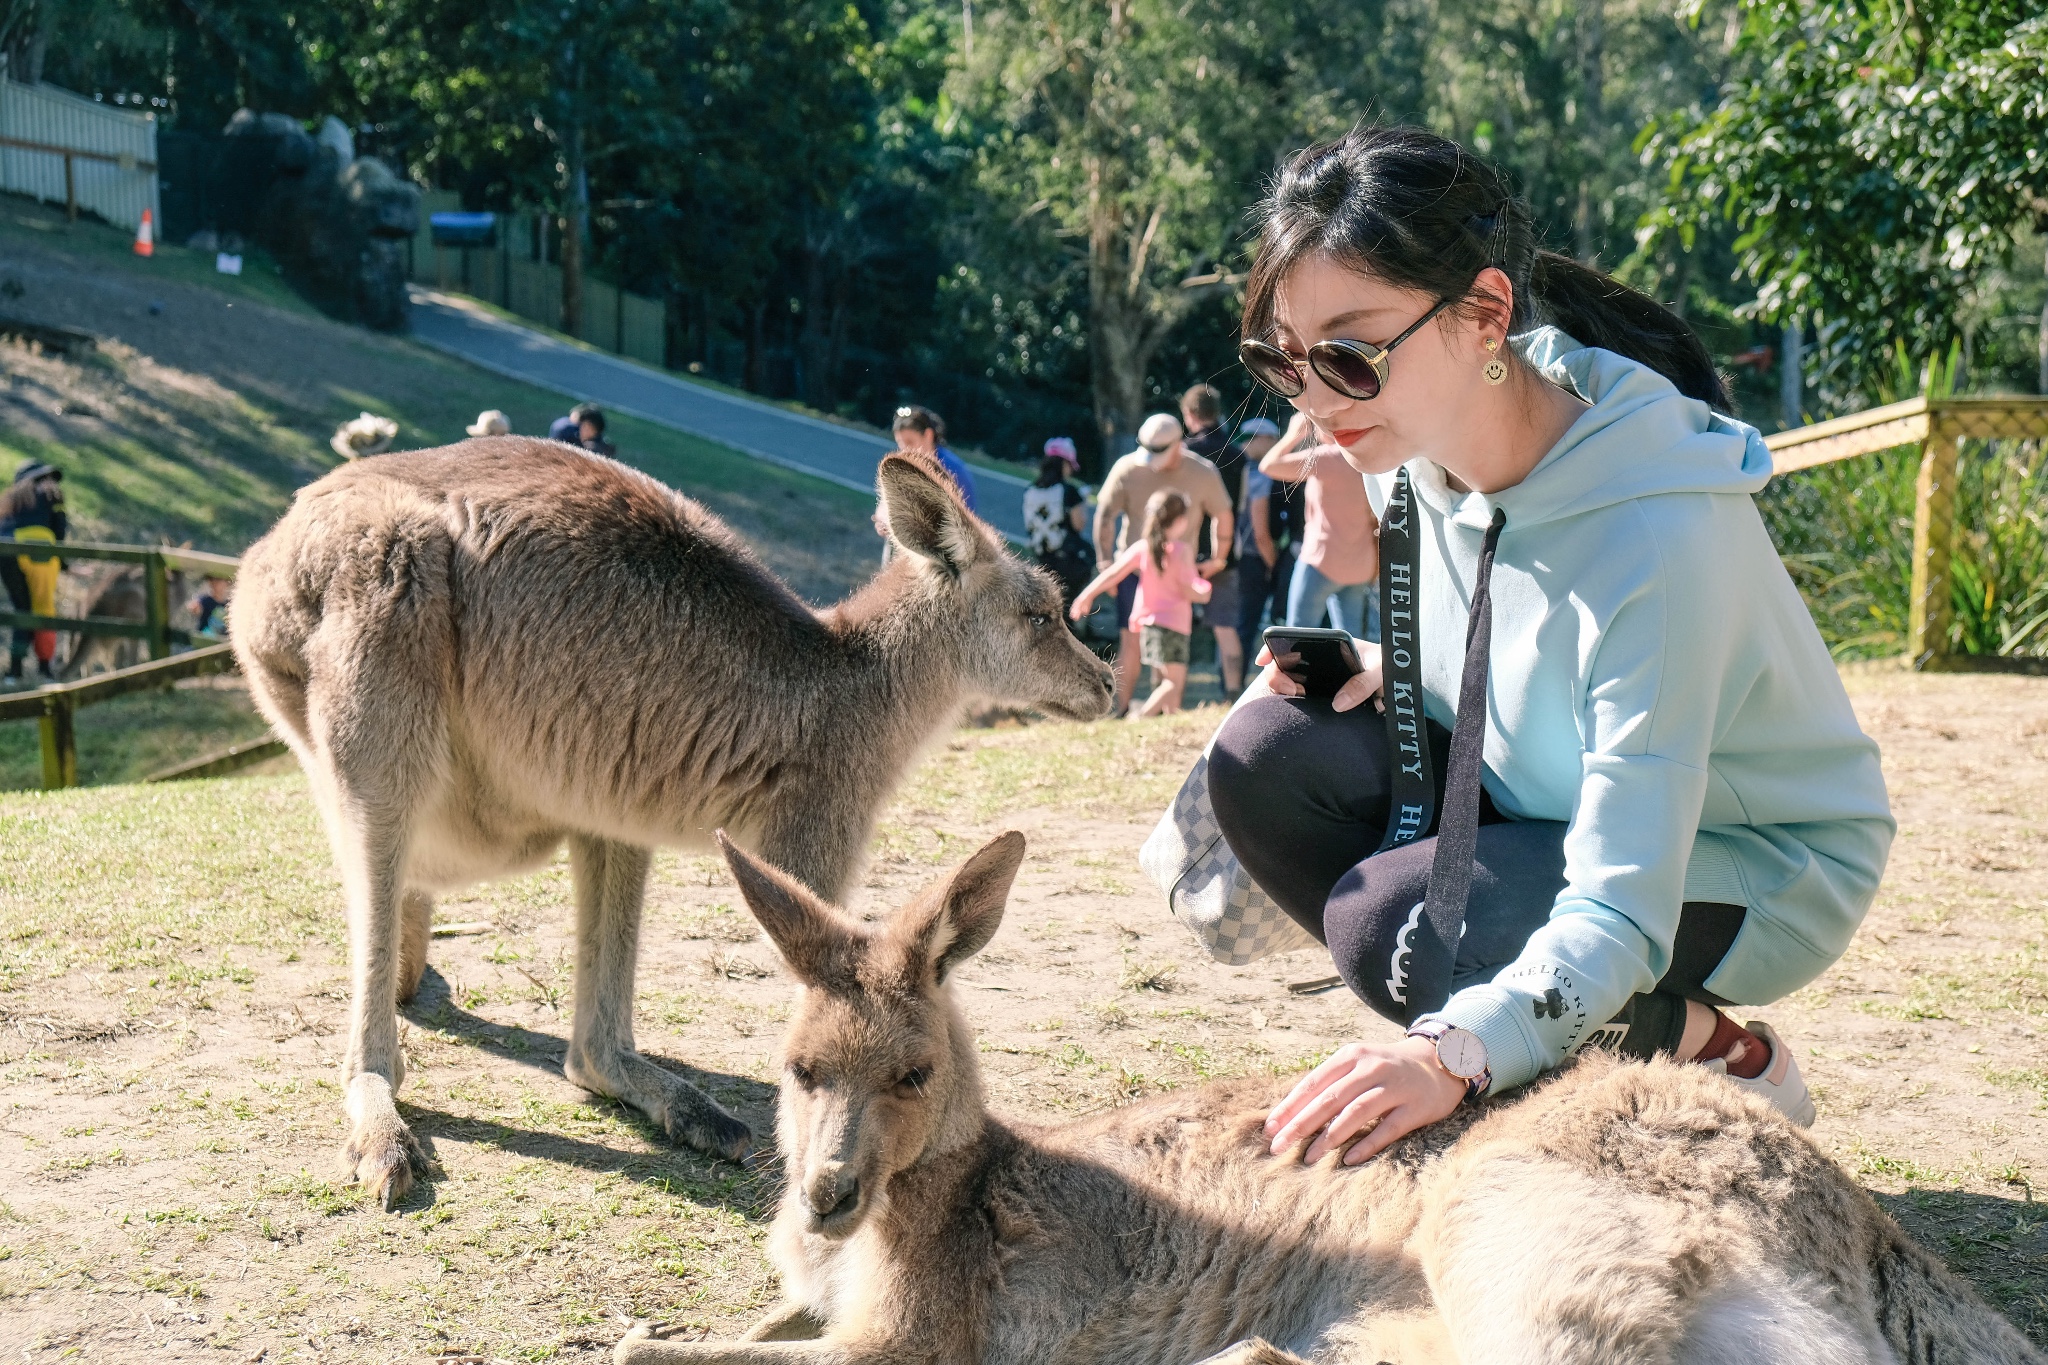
{"points": [[173, 987]]}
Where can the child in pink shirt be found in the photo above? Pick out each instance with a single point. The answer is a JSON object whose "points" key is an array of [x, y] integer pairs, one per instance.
{"points": [[1168, 588]]}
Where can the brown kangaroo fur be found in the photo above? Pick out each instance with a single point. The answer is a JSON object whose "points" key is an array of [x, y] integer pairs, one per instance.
{"points": [[482, 651], [1619, 1214]]}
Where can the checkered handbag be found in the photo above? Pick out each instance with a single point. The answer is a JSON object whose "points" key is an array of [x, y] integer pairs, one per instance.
{"points": [[1207, 889]]}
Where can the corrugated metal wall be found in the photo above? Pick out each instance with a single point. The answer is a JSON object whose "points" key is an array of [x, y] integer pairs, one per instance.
{"points": [[626, 324], [117, 190]]}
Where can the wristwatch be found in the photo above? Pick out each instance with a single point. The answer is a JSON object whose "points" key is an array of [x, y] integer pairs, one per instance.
{"points": [[1458, 1051]]}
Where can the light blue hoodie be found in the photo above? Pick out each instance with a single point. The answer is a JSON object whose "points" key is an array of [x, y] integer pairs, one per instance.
{"points": [[1657, 682]]}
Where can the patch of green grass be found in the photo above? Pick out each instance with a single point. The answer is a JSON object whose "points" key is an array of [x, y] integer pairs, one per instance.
{"points": [[112, 248], [137, 876], [2022, 1078], [218, 467], [1106, 768], [1865, 1160], [128, 738], [2013, 978], [1148, 976]]}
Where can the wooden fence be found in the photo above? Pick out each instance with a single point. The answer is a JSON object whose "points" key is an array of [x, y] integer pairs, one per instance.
{"points": [[1938, 426], [56, 707]]}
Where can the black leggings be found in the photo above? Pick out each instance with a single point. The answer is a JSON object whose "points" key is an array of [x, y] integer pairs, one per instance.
{"points": [[16, 584], [1301, 793]]}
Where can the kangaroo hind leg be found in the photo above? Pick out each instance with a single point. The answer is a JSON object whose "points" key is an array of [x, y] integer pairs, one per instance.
{"points": [[1534, 1261], [611, 884], [415, 929], [1760, 1317]]}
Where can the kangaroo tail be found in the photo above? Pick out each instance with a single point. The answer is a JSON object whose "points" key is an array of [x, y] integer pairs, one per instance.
{"points": [[1930, 1317]]}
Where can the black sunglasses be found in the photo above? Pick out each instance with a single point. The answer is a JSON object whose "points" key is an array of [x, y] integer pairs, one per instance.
{"points": [[1356, 369]]}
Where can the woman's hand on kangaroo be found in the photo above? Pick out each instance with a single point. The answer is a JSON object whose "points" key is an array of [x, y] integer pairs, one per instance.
{"points": [[1384, 1091], [1361, 686]]}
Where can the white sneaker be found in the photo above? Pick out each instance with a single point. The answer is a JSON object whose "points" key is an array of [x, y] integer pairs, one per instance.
{"points": [[1780, 1082]]}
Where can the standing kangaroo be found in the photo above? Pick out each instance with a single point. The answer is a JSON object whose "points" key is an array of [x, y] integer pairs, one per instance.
{"points": [[481, 651], [1621, 1214]]}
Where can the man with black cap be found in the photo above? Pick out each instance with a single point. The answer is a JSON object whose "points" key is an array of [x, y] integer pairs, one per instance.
{"points": [[32, 508]]}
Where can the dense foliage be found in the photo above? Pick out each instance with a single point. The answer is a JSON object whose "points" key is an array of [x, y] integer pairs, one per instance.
{"points": [[1881, 161], [1030, 214]]}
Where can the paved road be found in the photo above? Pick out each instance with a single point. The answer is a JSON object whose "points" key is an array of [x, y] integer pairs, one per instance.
{"points": [[839, 454]]}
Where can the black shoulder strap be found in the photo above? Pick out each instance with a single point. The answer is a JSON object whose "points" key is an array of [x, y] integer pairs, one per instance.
{"points": [[1414, 806], [1457, 835], [1434, 947]]}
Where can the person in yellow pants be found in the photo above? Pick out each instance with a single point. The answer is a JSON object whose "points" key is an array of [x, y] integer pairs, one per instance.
{"points": [[32, 508]]}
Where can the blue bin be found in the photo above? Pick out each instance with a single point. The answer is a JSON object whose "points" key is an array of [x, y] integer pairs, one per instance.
{"points": [[465, 229]]}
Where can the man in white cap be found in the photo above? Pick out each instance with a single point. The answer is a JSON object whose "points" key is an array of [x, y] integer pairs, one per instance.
{"points": [[1160, 461], [490, 422]]}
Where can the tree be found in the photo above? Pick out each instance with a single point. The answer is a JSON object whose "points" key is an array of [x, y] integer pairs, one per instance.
{"points": [[1132, 136], [1875, 163], [541, 91]]}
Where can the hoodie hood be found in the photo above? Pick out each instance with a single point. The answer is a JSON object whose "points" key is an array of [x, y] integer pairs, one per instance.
{"points": [[1640, 437]]}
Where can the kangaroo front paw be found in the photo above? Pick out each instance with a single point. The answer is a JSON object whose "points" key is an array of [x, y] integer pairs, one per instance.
{"points": [[382, 1155]]}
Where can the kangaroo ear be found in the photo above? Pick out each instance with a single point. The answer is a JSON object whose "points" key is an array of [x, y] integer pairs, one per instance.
{"points": [[810, 934], [925, 516], [946, 929]]}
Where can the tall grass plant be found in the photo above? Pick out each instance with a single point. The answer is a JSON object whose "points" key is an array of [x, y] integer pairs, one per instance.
{"points": [[1845, 531]]}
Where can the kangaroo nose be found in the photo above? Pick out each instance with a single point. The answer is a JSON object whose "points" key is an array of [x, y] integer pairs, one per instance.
{"points": [[835, 1189]]}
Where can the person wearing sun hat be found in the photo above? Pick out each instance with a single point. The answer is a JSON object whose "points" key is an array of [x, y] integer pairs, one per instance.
{"points": [[490, 422], [1056, 518], [32, 508]]}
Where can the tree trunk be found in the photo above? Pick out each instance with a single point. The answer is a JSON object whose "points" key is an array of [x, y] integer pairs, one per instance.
{"points": [[2042, 386], [575, 223], [814, 343], [1792, 376], [1681, 284], [1592, 56], [754, 378], [842, 312], [1126, 320]]}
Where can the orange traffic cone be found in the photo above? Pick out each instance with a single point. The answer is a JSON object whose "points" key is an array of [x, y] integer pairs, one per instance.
{"points": [[145, 237]]}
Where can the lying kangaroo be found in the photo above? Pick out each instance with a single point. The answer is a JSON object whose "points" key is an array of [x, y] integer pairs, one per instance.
{"points": [[1622, 1213], [481, 651]]}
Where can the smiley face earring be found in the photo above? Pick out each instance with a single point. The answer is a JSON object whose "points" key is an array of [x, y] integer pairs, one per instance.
{"points": [[1496, 368]]}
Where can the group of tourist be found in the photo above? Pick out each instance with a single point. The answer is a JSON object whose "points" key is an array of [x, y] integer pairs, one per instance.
{"points": [[1238, 533], [583, 427]]}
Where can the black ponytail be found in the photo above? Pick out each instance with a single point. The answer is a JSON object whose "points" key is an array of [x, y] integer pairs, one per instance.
{"points": [[1420, 212]]}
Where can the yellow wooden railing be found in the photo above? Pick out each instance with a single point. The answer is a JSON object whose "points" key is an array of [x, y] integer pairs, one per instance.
{"points": [[1937, 426], [56, 706]]}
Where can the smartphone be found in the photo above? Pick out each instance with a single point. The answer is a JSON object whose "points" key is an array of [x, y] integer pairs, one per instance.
{"points": [[1325, 659]]}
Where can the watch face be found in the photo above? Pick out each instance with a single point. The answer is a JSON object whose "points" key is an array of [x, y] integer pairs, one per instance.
{"points": [[1462, 1054]]}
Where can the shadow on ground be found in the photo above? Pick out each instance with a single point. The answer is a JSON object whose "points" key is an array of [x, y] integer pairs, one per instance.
{"points": [[747, 1189], [2000, 1245]]}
